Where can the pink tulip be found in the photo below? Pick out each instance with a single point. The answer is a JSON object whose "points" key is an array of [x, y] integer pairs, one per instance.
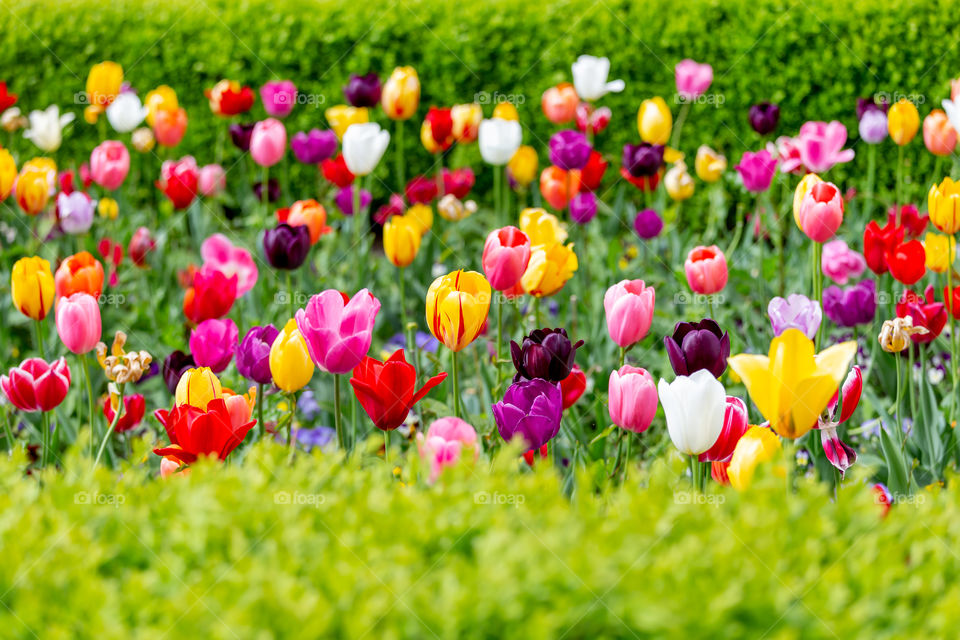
{"points": [[110, 164], [212, 180], [278, 97], [693, 78], [821, 212], [213, 342], [268, 142], [633, 398], [221, 254], [338, 333], [756, 170], [706, 269], [735, 424], [37, 385], [445, 441], [629, 309], [506, 254], [78, 322], [821, 145], [840, 263]]}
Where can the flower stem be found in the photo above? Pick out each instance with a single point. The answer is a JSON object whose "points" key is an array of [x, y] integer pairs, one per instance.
{"points": [[497, 197], [40, 347], [7, 431], [260, 425], [456, 386], [45, 438], [910, 389], [903, 440], [265, 194], [337, 420], [402, 182], [86, 377], [899, 184], [291, 433], [113, 425], [953, 340]]}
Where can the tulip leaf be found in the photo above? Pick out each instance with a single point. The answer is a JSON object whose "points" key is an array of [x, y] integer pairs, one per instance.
{"points": [[898, 479]]}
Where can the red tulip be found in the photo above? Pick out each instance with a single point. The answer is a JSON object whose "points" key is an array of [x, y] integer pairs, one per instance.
{"points": [[592, 120], [440, 122], [644, 183], [134, 407], [211, 295], [387, 390], [194, 432], [37, 385], [573, 386], [952, 301], [878, 242], [592, 172], [925, 311], [179, 181], [459, 182], [907, 262], [335, 171], [911, 221], [141, 244], [421, 190], [735, 424]]}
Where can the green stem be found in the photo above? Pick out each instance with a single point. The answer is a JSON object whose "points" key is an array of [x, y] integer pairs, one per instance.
{"points": [[40, 347], [291, 433], [7, 431], [45, 438], [86, 377], [386, 446], [337, 421], [817, 286], [400, 157], [260, 424], [953, 338], [113, 425], [497, 197], [903, 440], [290, 294], [910, 389], [456, 386], [871, 180], [623, 355], [899, 184], [678, 125], [265, 195]]}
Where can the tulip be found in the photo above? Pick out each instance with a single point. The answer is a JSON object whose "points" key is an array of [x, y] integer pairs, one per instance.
{"points": [[363, 146], [542, 227], [550, 267], [757, 446], [78, 322], [143, 140], [458, 182], [141, 244], [240, 135], [821, 212], [841, 263], [545, 353], [559, 187], [851, 306], [212, 180], [347, 197], [103, 85], [290, 363], [873, 127], [420, 215], [940, 251], [12, 119], [7, 100], [943, 202], [109, 164], [756, 170], [909, 218], [309, 214], [169, 126], [583, 207], [126, 112], [174, 367], [706, 269], [698, 345], [211, 294], [8, 173], [926, 312], [401, 94], [693, 79], [792, 386], [213, 342], [903, 121], [286, 247], [530, 409], [907, 262], [134, 407], [642, 160], [163, 98], [796, 311], [253, 354], [573, 386], [764, 117], [436, 133], [179, 181], [36, 385], [338, 333], [939, 136], [735, 424], [506, 254], [569, 149], [499, 140], [648, 224], [401, 240], [444, 442], [268, 142], [278, 97], [694, 410], [878, 243], [363, 91], [896, 335], [590, 78], [654, 121], [678, 182], [457, 305], [79, 272], [633, 398], [388, 390], [591, 120], [108, 208], [592, 173], [950, 107], [75, 212], [820, 146], [46, 128], [838, 453], [629, 306], [314, 146], [32, 189], [559, 103], [197, 432], [709, 164], [421, 190], [452, 209], [228, 98]]}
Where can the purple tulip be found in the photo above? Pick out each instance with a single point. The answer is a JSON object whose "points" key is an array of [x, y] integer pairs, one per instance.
{"points": [[873, 126], [545, 353], [316, 145], [286, 247], [75, 212], [642, 160], [240, 135], [530, 409], [273, 190], [583, 207], [648, 224], [865, 105], [698, 345], [174, 366], [764, 117], [850, 306], [213, 343], [362, 91], [756, 170], [796, 311], [344, 200], [253, 354], [569, 149]]}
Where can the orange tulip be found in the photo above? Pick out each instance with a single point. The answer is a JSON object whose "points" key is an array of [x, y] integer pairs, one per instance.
{"points": [[938, 135], [558, 186], [169, 126], [559, 103], [311, 214], [80, 272]]}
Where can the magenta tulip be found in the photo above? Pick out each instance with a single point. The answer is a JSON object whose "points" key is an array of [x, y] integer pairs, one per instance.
{"points": [[37, 385], [338, 333], [633, 398], [756, 170], [213, 343], [278, 97], [629, 308], [212, 180], [693, 78], [110, 164], [268, 142], [506, 254], [445, 441], [735, 424], [221, 254], [78, 322]]}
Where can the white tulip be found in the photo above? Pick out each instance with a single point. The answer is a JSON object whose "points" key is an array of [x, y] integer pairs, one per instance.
{"points": [[590, 78], [363, 146], [694, 406], [952, 109], [46, 128], [498, 140], [126, 112]]}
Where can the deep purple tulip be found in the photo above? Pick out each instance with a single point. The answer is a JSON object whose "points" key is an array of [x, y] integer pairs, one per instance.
{"points": [[545, 353], [853, 305], [642, 160], [764, 117], [344, 200], [796, 311], [286, 247], [648, 224], [865, 105], [698, 345], [531, 409], [569, 149], [253, 354], [273, 193], [316, 145], [240, 135], [583, 207], [362, 91], [174, 366]]}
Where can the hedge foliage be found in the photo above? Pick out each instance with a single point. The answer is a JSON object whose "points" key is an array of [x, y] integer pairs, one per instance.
{"points": [[327, 549]]}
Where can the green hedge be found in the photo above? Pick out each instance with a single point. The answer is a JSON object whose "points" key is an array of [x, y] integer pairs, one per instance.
{"points": [[323, 549]]}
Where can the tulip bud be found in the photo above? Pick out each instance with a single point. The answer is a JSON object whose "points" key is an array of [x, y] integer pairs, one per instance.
{"points": [[632, 398], [197, 387], [290, 363], [401, 240], [78, 322]]}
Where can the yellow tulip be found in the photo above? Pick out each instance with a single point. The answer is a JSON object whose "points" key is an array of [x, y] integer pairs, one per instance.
{"points": [[542, 227], [342, 116], [426, 138], [401, 94], [523, 165], [943, 205], [678, 182], [941, 251], [792, 386], [654, 121], [163, 98], [506, 111], [807, 183], [421, 215], [466, 121], [903, 121], [457, 307], [290, 363], [756, 446], [143, 139], [103, 85], [550, 267], [709, 164], [401, 240], [33, 190], [197, 387], [108, 208], [32, 287], [8, 173]]}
